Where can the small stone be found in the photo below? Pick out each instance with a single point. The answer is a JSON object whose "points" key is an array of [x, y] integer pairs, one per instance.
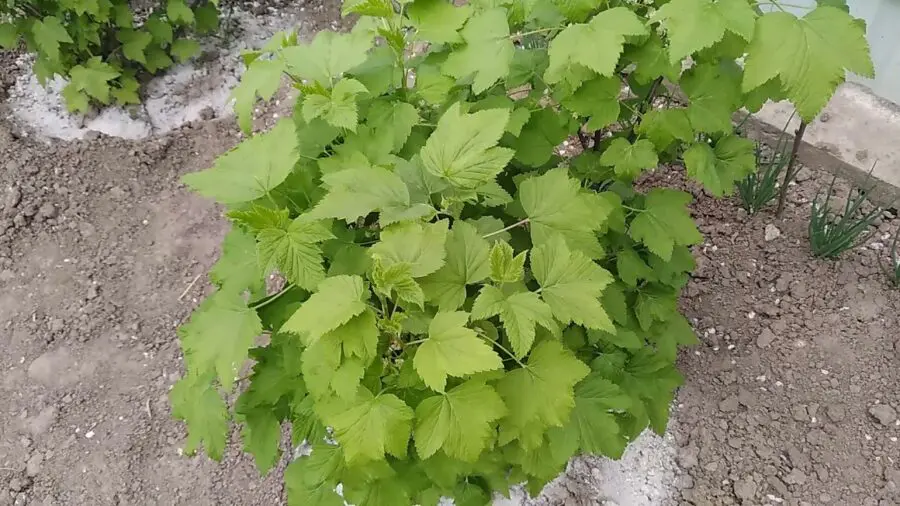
{"points": [[798, 413], [687, 456], [766, 337], [745, 489], [729, 404], [835, 412], [92, 135], [772, 232], [684, 482], [33, 467], [47, 211], [19, 484], [883, 413], [12, 198], [207, 113], [93, 291], [795, 477]]}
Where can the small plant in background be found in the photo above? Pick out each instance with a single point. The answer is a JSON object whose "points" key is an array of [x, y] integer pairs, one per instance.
{"points": [[832, 233], [100, 47], [760, 187], [893, 268]]}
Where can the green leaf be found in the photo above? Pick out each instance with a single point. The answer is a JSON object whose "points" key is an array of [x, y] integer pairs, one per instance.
{"points": [[374, 8], [437, 21], [134, 43], [338, 109], [398, 278], [262, 436], [665, 126], [539, 137], [527, 64], [487, 53], [417, 244], [714, 94], [329, 55], [596, 399], [631, 267], [467, 263], [48, 34], [195, 400], [207, 18], [810, 56], [127, 91], [597, 99], [652, 61], [368, 426], [655, 304], [325, 372], [359, 336], [354, 193], [692, 25], [462, 150], [337, 300], [596, 45], [732, 159], [76, 100], [665, 222], [238, 268], [506, 268], [310, 481], [294, 251], [179, 13], [160, 30], [571, 284], [262, 78], [460, 422], [93, 78], [519, 312], [628, 159], [431, 85], [218, 336], [556, 205], [549, 376], [397, 117], [184, 49], [157, 59], [9, 36], [452, 350], [251, 170]]}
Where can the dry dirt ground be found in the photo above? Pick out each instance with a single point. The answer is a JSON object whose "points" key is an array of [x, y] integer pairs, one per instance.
{"points": [[791, 398]]}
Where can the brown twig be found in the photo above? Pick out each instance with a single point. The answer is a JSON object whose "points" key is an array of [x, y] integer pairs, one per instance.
{"points": [[188, 289], [789, 174]]}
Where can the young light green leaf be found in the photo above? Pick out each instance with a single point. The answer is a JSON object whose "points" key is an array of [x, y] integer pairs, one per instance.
{"points": [[596, 45], [134, 43], [506, 268], [714, 94], [358, 337], [329, 55], [462, 150], [397, 278], [556, 205], [374, 8], [127, 91], [628, 159], [48, 34], [550, 375], [810, 55], [262, 437], [519, 312], [398, 117], [294, 251], [732, 159], [76, 100], [238, 268], [369, 426], [195, 400], [218, 335], [431, 85], [665, 222], [9, 36], [438, 21], [417, 244], [459, 422], [631, 267], [665, 126], [160, 30], [692, 25], [184, 49], [262, 79], [326, 374], [338, 109], [310, 481], [251, 170], [597, 99], [337, 300], [571, 284], [652, 61], [487, 53], [452, 350], [179, 13], [467, 263]]}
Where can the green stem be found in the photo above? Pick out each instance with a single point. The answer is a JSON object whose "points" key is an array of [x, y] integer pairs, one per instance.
{"points": [[417, 341], [511, 354], [504, 229], [272, 298], [533, 32]]}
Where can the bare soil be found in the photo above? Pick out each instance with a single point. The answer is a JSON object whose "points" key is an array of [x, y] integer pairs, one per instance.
{"points": [[790, 399]]}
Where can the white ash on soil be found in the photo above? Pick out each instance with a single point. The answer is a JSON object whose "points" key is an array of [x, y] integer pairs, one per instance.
{"points": [[197, 90]]}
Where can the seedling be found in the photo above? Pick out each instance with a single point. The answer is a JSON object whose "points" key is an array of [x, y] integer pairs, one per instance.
{"points": [[759, 188], [893, 254], [832, 233]]}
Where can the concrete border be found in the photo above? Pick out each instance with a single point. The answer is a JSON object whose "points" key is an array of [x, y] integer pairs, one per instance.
{"points": [[856, 130]]}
